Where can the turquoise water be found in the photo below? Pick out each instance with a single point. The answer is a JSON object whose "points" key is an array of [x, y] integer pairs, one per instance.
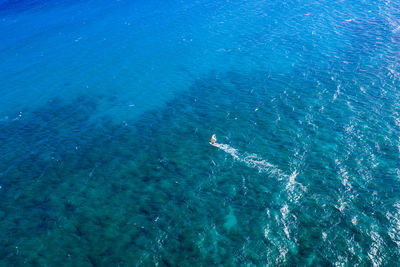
{"points": [[107, 108]]}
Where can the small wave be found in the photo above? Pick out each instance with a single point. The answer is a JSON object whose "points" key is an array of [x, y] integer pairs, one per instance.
{"points": [[293, 194], [252, 160], [344, 175], [374, 252], [394, 219], [335, 95]]}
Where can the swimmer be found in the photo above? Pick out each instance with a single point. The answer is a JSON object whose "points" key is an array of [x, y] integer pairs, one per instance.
{"points": [[213, 139]]}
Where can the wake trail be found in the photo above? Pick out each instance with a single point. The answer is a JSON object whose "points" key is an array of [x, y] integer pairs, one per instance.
{"points": [[252, 161]]}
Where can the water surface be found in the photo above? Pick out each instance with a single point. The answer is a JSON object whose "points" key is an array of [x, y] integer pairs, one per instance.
{"points": [[107, 108]]}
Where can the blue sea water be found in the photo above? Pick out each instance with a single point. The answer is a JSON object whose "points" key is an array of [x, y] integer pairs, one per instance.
{"points": [[107, 108]]}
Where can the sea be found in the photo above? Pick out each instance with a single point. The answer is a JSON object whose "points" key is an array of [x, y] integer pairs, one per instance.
{"points": [[107, 109]]}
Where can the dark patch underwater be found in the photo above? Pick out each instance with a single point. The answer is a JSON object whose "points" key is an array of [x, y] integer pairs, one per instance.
{"points": [[76, 191]]}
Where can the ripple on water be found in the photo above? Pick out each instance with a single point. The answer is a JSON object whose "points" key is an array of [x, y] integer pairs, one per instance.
{"points": [[305, 107]]}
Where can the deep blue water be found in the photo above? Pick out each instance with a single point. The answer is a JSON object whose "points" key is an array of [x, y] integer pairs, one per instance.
{"points": [[107, 108]]}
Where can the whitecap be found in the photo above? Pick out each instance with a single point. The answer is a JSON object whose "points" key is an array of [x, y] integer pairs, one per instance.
{"points": [[324, 235], [335, 95], [374, 253], [266, 232], [285, 211]]}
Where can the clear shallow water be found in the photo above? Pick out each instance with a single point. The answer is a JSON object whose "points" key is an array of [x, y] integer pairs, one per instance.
{"points": [[107, 109]]}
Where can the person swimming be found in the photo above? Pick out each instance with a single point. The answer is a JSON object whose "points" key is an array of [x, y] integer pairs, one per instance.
{"points": [[213, 139]]}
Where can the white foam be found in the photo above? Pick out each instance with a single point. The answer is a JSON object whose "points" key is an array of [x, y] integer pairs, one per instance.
{"points": [[335, 95], [228, 149], [344, 174], [294, 195], [266, 232], [342, 205], [374, 252], [394, 219], [292, 181], [285, 211], [324, 235], [286, 230], [282, 257], [252, 160]]}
